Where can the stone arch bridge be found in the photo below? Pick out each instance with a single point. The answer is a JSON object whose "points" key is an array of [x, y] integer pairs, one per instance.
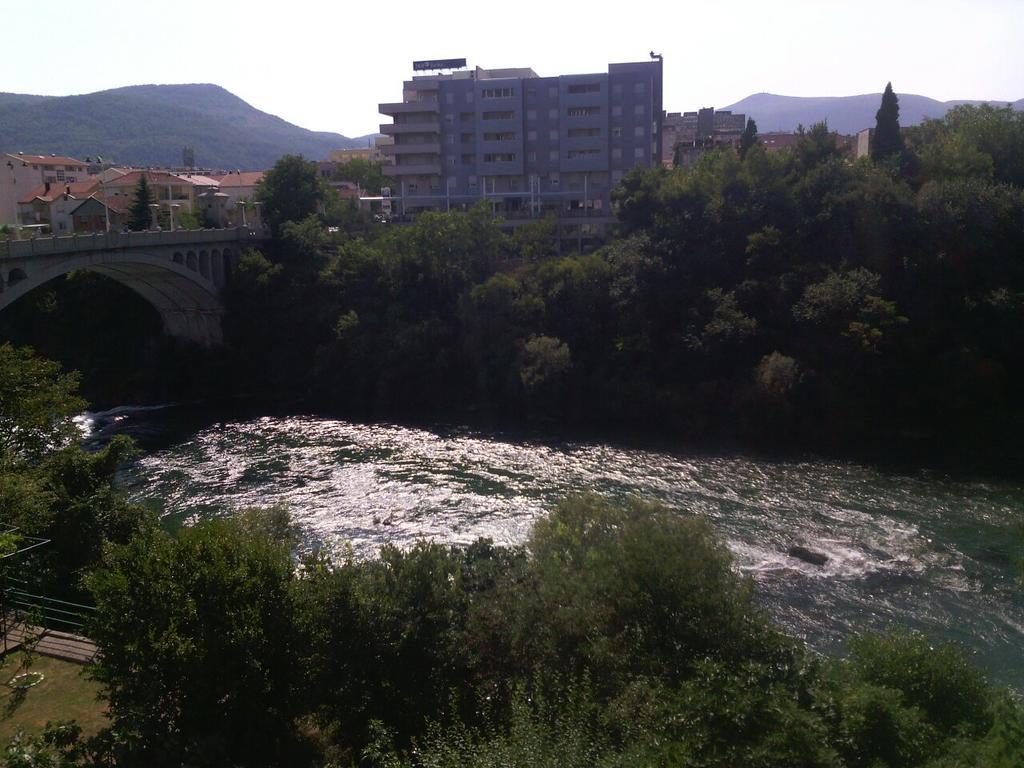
{"points": [[181, 273]]}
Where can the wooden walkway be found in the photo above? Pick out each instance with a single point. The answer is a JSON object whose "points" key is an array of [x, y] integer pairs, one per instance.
{"points": [[59, 645]]}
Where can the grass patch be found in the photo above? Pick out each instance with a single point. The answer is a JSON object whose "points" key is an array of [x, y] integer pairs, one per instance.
{"points": [[65, 694]]}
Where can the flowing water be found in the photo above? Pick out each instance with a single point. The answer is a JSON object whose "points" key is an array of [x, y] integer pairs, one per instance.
{"points": [[917, 550]]}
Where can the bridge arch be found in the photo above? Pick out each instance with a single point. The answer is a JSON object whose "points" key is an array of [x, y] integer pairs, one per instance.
{"points": [[187, 304]]}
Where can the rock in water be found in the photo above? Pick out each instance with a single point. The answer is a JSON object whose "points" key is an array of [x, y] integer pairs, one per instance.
{"points": [[808, 555]]}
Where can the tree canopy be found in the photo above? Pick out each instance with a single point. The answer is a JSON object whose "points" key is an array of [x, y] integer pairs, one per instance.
{"points": [[887, 141]]}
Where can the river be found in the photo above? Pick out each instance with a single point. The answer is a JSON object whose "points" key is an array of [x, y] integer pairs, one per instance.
{"points": [[919, 550]]}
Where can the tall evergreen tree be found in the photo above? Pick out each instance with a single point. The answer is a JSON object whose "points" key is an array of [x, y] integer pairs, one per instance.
{"points": [[749, 137], [138, 214], [888, 141]]}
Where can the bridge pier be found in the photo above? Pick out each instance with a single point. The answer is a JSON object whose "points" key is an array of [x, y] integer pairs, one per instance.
{"points": [[200, 326]]}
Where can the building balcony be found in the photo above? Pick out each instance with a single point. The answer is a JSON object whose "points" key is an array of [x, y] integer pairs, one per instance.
{"points": [[409, 108], [418, 148], [415, 169], [428, 126]]}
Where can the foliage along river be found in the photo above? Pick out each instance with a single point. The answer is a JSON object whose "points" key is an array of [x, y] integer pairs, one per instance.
{"points": [[918, 550]]}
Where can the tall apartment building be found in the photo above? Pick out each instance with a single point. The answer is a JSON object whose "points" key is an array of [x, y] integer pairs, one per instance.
{"points": [[531, 145]]}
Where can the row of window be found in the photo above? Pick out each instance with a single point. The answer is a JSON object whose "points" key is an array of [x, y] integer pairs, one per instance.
{"points": [[574, 89], [574, 133], [531, 114], [531, 157]]}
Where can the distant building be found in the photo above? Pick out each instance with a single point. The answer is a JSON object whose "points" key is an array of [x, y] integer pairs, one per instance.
{"points": [[777, 140], [52, 205], [687, 135], [240, 185], [862, 142], [20, 174], [375, 153], [530, 145], [167, 189], [774, 142], [89, 215]]}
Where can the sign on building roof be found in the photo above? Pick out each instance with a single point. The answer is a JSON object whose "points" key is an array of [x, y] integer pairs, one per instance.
{"points": [[419, 66]]}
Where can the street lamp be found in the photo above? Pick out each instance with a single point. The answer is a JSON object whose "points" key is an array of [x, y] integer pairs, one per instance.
{"points": [[103, 192]]}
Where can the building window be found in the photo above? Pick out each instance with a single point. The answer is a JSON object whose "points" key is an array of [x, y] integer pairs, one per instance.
{"points": [[449, 119], [578, 133], [531, 135], [498, 93], [553, 155], [581, 154], [467, 138], [531, 157], [554, 179], [469, 97], [638, 132], [616, 153], [616, 177], [585, 88], [617, 89], [500, 157], [616, 132], [531, 114], [500, 136], [553, 134], [60, 175], [638, 153], [583, 111], [467, 159], [505, 114], [465, 117], [638, 87], [552, 114], [450, 138], [616, 111], [553, 92], [451, 160], [449, 98], [639, 110]]}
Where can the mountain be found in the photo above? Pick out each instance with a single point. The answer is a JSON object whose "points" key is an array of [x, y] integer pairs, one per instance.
{"points": [[845, 114], [148, 125]]}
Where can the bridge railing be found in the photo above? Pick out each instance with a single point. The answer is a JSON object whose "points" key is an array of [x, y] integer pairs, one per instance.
{"points": [[106, 241]]}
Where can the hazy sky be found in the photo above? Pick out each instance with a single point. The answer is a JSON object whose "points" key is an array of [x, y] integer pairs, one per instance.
{"points": [[326, 65]]}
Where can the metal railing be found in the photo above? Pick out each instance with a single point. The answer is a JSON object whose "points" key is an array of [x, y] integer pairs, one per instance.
{"points": [[105, 241], [50, 612]]}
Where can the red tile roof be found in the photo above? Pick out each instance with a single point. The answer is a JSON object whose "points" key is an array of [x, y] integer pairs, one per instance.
{"points": [[131, 179], [46, 160], [116, 203], [241, 179], [76, 189]]}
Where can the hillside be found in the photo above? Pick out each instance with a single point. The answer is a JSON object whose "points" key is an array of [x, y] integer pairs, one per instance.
{"points": [[846, 114], [149, 124]]}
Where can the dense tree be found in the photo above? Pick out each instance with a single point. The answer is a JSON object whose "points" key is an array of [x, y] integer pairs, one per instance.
{"points": [[368, 175], [887, 140], [749, 137], [195, 636], [139, 215], [38, 404], [291, 191]]}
